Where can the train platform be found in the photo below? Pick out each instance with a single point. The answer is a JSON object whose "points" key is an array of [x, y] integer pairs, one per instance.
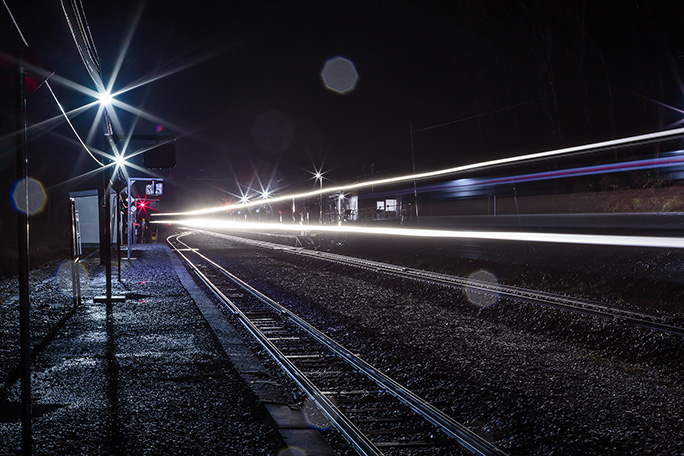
{"points": [[162, 372]]}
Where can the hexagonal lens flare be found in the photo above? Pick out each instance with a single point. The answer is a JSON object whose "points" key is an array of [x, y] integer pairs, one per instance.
{"points": [[339, 75], [37, 198]]}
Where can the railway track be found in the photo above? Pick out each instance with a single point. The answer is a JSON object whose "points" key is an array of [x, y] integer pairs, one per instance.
{"points": [[375, 414], [654, 321]]}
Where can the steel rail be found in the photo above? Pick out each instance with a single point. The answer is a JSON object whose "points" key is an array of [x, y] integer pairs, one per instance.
{"points": [[351, 433], [459, 432], [583, 306]]}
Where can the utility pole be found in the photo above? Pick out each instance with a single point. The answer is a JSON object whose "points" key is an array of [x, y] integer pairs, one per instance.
{"points": [[319, 176], [104, 192], [23, 254]]}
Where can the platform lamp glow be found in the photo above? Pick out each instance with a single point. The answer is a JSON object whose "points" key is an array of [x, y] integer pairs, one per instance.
{"points": [[105, 98]]}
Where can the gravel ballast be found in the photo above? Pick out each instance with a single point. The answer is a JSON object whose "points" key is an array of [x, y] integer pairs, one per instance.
{"points": [[536, 381]]}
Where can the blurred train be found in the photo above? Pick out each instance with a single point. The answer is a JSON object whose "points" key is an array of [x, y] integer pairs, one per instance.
{"points": [[580, 189]]}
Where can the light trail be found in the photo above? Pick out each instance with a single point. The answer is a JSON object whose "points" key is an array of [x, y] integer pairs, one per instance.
{"points": [[468, 185], [558, 238], [615, 143]]}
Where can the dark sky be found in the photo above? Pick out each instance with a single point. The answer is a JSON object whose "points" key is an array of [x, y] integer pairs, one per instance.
{"points": [[475, 79]]}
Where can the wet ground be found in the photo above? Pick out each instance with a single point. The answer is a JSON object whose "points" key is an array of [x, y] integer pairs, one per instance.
{"points": [[146, 378]]}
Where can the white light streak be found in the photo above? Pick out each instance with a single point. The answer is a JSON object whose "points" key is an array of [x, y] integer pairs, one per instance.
{"points": [[559, 238], [457, 169]]}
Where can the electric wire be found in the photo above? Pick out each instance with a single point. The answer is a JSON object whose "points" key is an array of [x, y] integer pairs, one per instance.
{"points": [[47, 84], [87, 50], [21, 35], [59, 105]]}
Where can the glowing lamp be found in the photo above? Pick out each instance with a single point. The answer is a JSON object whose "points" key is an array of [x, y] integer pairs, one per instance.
{"points": [[120, 161], [105, 98]]}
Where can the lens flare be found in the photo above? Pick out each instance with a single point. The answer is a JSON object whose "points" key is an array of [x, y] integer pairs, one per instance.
{"points": [[66, 273], [339, 75], [314, 416], [28, 196], [273, 132], [292, 451], [483, 297]]}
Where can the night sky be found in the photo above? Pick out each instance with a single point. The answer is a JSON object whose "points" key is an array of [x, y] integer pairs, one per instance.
{"points": [[475, 80]]}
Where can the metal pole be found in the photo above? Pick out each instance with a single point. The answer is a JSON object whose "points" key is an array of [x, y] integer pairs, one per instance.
{"points": [[128, 213], [118, 233], [106, 233], [74, 255], [23, 254], [107, 257], [320, 203]]}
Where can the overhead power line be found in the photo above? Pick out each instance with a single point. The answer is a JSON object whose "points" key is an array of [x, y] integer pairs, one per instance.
{"points": [[47, 83]]}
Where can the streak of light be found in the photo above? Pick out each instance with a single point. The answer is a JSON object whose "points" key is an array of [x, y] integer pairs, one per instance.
{"points": [[47, 84], [635, 165], [615, 143], [559, 238], [124, 48], [475, 184]]}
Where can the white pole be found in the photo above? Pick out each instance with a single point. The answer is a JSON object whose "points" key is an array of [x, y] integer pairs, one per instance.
{"points": [[128, 195]]}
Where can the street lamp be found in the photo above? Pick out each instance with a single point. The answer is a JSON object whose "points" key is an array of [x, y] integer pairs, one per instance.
{"points": [[319, 177], [105, 98]]}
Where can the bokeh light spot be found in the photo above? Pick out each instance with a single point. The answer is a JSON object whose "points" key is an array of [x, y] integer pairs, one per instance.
{"points": [[159, 128], [37, 198], [339, 75], [483, 297], [63, 277], [272, 131], [314, 416], [292, 451]]}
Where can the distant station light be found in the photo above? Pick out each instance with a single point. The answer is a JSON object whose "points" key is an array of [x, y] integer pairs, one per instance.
{"points": [[339, 75]]}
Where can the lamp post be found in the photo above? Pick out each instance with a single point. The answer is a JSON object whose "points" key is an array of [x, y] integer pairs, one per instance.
{"points": [[23, 259], [319, 177], [106, 184]]}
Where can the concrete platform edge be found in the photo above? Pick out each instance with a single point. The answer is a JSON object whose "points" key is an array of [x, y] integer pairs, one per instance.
{"points": [[276, 401]]}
